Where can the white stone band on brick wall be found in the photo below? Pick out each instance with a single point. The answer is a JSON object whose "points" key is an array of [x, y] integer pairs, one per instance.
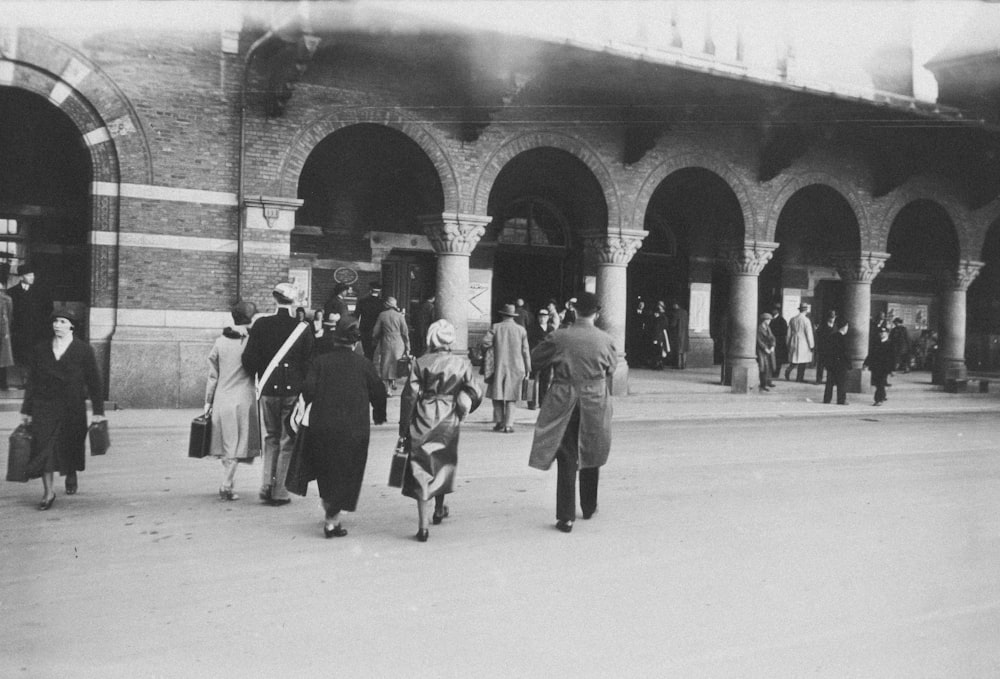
{"points": [[149, 192], [167, 242], [158, 318]]}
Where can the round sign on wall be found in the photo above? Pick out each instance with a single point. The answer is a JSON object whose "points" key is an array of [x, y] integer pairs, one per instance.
{"points": [[345, 275]]}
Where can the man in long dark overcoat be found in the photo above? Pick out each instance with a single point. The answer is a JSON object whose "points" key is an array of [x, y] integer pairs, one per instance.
{"points": [[367, 310], [574, 423], [29, 322], [278, 390]]}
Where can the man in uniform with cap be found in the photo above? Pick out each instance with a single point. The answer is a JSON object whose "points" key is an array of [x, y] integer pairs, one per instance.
{"points": [[574, 423], [367, 310], [278, 384], [800, 343]]}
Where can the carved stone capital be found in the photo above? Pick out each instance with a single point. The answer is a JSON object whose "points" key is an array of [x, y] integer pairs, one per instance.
{"points": [[751, 258], [454, 233], [960, 277], [859, 267], [614, 248]]}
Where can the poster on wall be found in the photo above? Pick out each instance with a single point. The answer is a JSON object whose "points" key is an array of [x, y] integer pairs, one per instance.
{"points": [[480, 286], [790, 303], [914, 316], [302, 279], [700, 305]]}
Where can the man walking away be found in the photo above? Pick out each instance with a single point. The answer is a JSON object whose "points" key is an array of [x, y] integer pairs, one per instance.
{"points": [[574, 423], [367, 310], [279, 362]]}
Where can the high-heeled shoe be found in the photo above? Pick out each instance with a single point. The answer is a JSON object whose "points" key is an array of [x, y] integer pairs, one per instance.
{"points": [[439, 517], [47, 504], [337, 531], [423, 534]]}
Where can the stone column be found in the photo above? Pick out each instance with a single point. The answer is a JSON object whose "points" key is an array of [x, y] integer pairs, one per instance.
{"points": [[857, 271], [744, 264], [613, 252], [951, 357], [454, 237]]}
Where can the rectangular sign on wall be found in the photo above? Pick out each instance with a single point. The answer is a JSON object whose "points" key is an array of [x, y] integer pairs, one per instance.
{"points": [[700, 307], [480, 291]]}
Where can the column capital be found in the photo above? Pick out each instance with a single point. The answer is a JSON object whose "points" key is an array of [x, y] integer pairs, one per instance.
{"points": [[454, 233], [750, 258], [859, 267], [618, 247], [959, 277]]}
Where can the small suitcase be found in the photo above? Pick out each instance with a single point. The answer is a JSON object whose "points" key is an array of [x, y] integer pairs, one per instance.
{"points": [[99, 439], [397, 468], [403, 366], [19, 454], [201, 436]]}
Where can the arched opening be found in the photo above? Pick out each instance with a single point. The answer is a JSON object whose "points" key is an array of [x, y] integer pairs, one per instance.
{"points": [[691, 216], [983, 307], [45, 175], [922, 243], [541, 201], [815, 222], [363, 188]]}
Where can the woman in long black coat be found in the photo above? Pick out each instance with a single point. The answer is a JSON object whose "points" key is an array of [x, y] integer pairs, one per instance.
{"points": [[440, 392], [339, 387], [63, 373]]}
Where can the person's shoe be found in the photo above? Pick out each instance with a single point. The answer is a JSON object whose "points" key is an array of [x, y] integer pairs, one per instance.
{"points": [[877, 403], [508, 430], [565, 526], [71, 483], [770, 385], [280, 501], [47, 504], [587, 515], [764, 389], [227, 494], [337, 531], [497, 427], [439, 517], [265, 495], [842, 403], [422, 535]]}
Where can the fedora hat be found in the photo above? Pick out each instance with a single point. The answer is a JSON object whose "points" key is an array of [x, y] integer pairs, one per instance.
{"points": [[508, 310], [804, 307]]}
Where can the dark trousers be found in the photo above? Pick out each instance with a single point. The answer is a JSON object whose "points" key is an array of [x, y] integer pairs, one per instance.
{"points": [[836, 378], [879, 380], [567, 459]]}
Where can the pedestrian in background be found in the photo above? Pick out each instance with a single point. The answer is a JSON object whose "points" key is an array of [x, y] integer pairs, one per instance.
{"points": [[367, 310], [338, 389], [899, 339], [335, 302], [423, 316], [539, 329], [823, 332], [765, 351], [317, 323], [837, 364], [524, 316], [800, 344], [230, 398], [779, 328], [677, 329], [392, 341], [660, 336], [880, 361], [62, 375], [278, 365], [574, 423], [512, 363], [440, 392], [6, 349], [29, 322]]}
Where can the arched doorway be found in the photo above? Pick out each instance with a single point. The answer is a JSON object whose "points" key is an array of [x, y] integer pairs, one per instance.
{"points": [[45, 176], [984, 307], [541, 202], [691, 216], [363, 188]]}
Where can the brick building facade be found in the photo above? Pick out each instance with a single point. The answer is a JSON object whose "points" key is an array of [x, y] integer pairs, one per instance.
{"points": [[199, 167]]}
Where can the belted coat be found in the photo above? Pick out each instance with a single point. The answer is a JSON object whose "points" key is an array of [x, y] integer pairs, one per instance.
{"points": [[511, 359], [583, 359], [800, 339]]}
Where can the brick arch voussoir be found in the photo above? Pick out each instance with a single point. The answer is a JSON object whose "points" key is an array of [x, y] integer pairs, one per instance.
{"points": [[696, 160], [512, 147], [799, 181], [312, 134], [93, 102], [941, 192]]}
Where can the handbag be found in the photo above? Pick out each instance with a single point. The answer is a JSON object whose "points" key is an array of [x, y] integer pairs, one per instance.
{"points": [[200, 442], [19, 454], [403, 366], [397, 468], [99, 439]]}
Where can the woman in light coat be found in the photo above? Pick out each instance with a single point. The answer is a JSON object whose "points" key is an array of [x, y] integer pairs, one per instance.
{"points": [[392, 341], [229, 396], [511, 364], [440, 392]]}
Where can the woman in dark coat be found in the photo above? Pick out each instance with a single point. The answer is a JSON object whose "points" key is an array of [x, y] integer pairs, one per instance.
{"points": [[339, 387], [63, 373], [440, 392], [881, 362]]}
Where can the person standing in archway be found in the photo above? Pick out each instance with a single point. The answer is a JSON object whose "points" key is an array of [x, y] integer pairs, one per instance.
{"points": [[800, 344], [367, 310], [677, 329], [779, 328], [29, 323], [512, 363], [392, 342]]}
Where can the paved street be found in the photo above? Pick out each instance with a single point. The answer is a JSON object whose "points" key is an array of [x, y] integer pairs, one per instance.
{"points": [[805, 540]]}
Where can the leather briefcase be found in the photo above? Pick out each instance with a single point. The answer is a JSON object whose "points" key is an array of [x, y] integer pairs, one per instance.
{"points": [[19, 454], [100, 441], [200, 442], [403, 366]]}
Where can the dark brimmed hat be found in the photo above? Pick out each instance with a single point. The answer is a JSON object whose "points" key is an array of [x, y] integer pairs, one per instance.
{"points": [[508, 310], [243, 312], [66, 312], [804, 306], [347, 331], [586, 304]]}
